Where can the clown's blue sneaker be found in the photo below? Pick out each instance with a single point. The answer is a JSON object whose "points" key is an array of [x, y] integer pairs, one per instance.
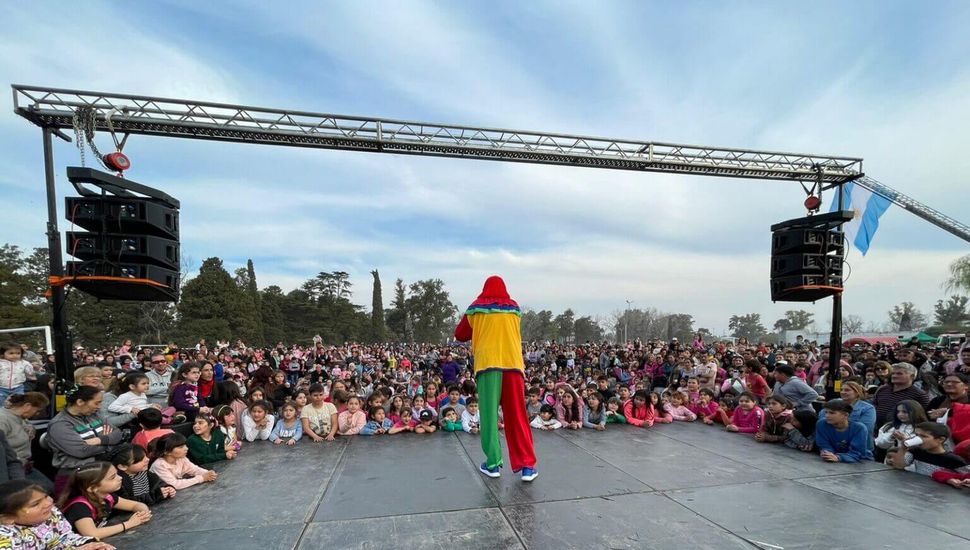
{"points": [[490, 472], [528, 474]]}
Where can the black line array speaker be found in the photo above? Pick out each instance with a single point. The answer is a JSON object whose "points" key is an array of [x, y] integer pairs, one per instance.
{"points": [[806, 264]]}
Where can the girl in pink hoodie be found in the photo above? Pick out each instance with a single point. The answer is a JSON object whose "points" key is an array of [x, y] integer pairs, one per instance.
{"points": [[638, 411], [706, 407], [748, 418], [353, 420], [678, 407]]}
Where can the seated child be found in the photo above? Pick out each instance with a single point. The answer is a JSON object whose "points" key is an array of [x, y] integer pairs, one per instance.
{"points": [[926, 454], [532, 404], [660, 415], [319, 418], [470, 421], [678, 409], [705, 408], [800, 430], [288, 428], [208, 444], [779, 414], [137, 483], [351, 421], [405, 423], [379, 424], [839, 439], [426, 423], [547, 419], [638, 411], [88, 502], [748, 418], [150, 421], [257, 422], [595, 413], [21, 526], [134, 398], [453, 400], [172, 465], [614, 411], [891, 435], [450, 421], [226, 418]]}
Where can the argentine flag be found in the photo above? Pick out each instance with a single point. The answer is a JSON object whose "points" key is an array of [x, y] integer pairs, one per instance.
{"points": [[867, 207]]}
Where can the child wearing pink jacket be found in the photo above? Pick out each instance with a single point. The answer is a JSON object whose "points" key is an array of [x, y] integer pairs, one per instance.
{"points": [[678, 407], [748, 418], [638, 411], [352, 420]]}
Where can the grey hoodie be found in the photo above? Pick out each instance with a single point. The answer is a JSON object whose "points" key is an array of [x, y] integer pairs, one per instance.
{"points": [[67, 434]]}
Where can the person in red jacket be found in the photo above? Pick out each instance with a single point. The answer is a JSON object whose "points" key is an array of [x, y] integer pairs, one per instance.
{"points": [[493, 324], [638, 411]]}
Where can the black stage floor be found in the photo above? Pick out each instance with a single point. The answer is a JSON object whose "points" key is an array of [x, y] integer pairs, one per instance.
{"points": [[683, 486]]}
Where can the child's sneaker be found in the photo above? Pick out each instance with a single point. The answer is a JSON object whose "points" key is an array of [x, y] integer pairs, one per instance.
{"points": [[490, 472], [528, 474]]}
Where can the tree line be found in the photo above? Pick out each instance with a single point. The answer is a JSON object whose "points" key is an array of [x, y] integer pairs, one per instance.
{"points": [[217, 305]]}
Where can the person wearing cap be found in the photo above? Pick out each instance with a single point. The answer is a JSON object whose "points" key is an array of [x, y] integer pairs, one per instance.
{"points": [[493, 324], [838, 438]]}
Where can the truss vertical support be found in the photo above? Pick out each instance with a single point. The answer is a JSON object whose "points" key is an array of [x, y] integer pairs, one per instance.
{"points": [[62, 342], [835, 338]]}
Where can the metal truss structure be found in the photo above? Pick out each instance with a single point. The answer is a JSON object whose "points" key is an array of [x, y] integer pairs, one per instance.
{"points": [[55, 108], [905, 202]]}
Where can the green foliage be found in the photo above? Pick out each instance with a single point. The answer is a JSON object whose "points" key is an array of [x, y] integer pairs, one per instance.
{"points": [[565, 326], [21, 295], [952, 313], [747, 326], [959, 279], [651, 324], [214, 307], [587, 330], [794, 320], [538, 326], [378, 331], [906, 317]]}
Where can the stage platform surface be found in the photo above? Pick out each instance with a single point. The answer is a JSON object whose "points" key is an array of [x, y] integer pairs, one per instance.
{"points": [[685, 486]]}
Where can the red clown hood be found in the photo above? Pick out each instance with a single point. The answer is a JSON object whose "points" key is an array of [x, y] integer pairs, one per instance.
{"points": [[494, 293]]}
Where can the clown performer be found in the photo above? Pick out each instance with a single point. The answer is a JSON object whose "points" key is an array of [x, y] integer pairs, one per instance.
{"points": [[492, 323]]}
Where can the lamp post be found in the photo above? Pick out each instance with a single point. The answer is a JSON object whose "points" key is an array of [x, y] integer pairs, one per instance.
{"points": [[626, 322]]}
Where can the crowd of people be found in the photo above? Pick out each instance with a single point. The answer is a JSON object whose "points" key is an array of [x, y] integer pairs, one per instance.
{"points": [[141, 425]]}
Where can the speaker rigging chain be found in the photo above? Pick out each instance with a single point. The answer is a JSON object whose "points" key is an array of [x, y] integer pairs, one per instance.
{"points": [[85, 124]]}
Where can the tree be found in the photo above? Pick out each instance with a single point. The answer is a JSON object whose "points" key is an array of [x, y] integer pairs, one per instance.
{"points": [[253, 292], [852, 324], [586, 329], [434, 315], [565, 325], [959, 275], [794, 320], [397, 318], [680, 326], [213, 306], [747, 326], [21, 301], [905, 317], [272, 303], [377, 310], [951, 313]]}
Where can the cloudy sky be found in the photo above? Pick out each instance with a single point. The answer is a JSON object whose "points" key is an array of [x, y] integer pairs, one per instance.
{"points": [[886, 81]]}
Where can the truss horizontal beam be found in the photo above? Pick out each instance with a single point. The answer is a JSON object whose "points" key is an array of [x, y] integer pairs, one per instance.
{"points": [[917, 208], [55, 108]]}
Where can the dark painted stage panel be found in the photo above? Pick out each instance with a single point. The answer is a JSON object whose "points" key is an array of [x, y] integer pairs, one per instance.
{"points": [[664, 463], [287, 480], [424, 473], [277, 536], [788, 514], [774, 458], [565, 471], [904, 494], [635, 521], [482, 529]]}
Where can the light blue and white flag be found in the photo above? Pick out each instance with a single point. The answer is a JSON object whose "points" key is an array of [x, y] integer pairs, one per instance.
{"points": [[867, 207]]}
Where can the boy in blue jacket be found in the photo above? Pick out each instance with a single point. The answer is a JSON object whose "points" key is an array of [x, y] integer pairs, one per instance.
{"points": [[840, 440]]}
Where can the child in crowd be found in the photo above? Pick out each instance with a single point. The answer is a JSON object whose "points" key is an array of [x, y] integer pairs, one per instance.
{"points": [[693, 392], [351, 421], [595, 413], [624, 394], [453, 400], [748, 418], [470, 421], [257, 422], [137, 483], [379, 423], [800, 430], [533, 404], [300, 399], [840, 440], [185, 395], [226, 419], [450, 421], [891, 435], [660, 416], [394, 407], [431, 395], [288, 428], [569, 411], [14, 371], [418, 405], [88, 502], [208, 444], [426, 422], [638, 411], [172, 465], [614, 411], [926, 453], [549, 394], [779, 414], [135, 398], [319, 417], [30, 521], [405, 423], [678, 409], [150, 421], [705, 408], [547, 419], [375, 399]]}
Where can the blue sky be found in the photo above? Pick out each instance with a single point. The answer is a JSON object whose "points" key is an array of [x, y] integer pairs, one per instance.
{"points": [[886, 81]]}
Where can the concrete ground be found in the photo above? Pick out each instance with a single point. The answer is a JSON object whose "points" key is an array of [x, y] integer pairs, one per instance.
{"points": [[685, 486]]}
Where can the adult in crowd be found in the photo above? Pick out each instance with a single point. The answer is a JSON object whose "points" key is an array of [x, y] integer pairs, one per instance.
{"points": [[955, 390], [800, 394], [862, 412], [449, 371], [899, 389], [13, 424], [88, 376], [78, 434], [159, 380]]}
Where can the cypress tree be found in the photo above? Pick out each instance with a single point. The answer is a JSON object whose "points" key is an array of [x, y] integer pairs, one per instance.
{"points": [[377, 310]]}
